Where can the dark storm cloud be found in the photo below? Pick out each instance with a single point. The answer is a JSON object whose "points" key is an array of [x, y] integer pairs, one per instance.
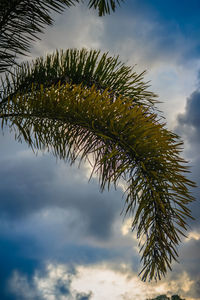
{"points": [[48, 211], [195, 290], [189, 256], [26, 256], [15, 254], [30, 184], [189, 121], [188, 127], [184, 279]]}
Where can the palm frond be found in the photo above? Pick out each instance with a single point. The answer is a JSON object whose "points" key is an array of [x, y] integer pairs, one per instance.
{"points": [[104, 6], [126, 139], [22, 20], [80, 67]]}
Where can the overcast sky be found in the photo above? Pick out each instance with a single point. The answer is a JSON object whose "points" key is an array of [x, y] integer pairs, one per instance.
{"points": [[60, 238]]}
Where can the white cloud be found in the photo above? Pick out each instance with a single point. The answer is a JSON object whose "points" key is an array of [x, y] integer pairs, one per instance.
{"points": [[193, 235], [77, 27], [55, 284], [21, 288], [100, 281]]}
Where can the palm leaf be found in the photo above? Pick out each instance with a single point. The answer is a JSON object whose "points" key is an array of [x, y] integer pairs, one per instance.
{"points": [[104, 6], [80, 67], [107, 117], [21, 21]]}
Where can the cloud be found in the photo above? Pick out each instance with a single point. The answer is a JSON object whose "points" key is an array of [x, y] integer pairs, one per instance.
{"points": [[185, 276], [188, 127], [30, 184], [189, 121], [83, 296], [24, 253], [54, 283], [134, 33], [58, 281], [49, 211], [77, 27], [16, 254]]}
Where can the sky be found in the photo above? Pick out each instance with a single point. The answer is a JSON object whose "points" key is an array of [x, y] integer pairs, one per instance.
{"points": [[60, 238]]}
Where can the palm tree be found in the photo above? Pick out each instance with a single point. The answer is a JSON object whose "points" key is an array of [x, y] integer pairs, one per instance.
{"points": [[85, 104]]}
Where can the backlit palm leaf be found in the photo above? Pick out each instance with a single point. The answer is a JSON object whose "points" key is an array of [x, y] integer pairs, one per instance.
{"points": [[83, 104]]}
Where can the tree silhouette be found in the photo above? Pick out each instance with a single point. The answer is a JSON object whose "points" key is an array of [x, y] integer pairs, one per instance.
{"points": [[85, 104], [164, 297]]}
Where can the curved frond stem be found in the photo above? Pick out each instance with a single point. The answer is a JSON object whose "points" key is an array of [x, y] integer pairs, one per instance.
{"points": [[79, 104], [125, 141]]}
